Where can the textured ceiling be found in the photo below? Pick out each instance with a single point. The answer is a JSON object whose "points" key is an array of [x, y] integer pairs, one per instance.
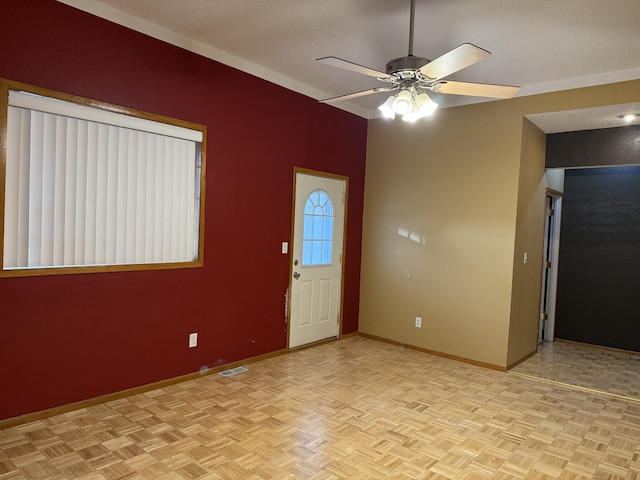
{"points": [[586, 118], [540, 45]]}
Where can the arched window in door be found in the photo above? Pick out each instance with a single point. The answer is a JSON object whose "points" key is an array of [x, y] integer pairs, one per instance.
{"points": [[317, 233]]}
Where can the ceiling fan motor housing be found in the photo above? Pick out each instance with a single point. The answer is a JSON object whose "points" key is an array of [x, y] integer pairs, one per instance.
{"points": [[405, 63]]}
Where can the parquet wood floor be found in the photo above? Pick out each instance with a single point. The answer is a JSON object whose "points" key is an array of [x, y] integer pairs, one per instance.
{"points": [[614, 372], [351, 409]]}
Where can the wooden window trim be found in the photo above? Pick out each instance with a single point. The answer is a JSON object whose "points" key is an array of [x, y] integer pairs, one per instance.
{"points": [[7, 85]]}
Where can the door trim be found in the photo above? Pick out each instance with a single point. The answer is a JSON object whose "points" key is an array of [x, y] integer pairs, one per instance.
{"points": [[552, 274], [334, 176]]}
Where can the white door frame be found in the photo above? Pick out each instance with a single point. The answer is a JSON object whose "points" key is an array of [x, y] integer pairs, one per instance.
{"points": [[546, 332], [292, 267]]}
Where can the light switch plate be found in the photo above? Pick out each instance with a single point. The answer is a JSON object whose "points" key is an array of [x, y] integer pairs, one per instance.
{"points": [[193, 340]]}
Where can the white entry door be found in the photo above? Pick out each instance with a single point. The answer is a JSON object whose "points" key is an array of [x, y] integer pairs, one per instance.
{"points": [[316, 282]]}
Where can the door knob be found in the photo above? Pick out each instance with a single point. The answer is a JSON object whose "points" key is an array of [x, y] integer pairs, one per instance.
{"points": [[296, 275]]}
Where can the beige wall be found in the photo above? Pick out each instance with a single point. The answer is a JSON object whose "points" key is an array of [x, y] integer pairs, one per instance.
{"points": [[527, 277], [451, 204]]}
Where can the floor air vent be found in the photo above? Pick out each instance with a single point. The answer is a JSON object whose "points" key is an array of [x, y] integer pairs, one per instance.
{"points": [[233, 371]]}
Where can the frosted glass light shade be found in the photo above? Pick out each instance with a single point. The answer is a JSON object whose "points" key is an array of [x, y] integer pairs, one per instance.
{"points": [[425, 105], [387, 108], [403, 103]]}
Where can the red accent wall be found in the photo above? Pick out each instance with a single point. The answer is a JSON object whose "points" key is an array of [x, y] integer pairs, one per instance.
{"points": [[68, 338]]}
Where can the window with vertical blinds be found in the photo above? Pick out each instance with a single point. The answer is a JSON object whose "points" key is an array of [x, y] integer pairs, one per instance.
{"points": [[93, 187]]}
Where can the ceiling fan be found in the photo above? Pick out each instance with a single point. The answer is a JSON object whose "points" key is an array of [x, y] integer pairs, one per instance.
{"points": [[413, 76]]}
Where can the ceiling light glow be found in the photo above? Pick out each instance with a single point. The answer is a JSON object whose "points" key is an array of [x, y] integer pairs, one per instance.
{"points": [[387, 108], [409, 105], [629, 117], [403, 103]]}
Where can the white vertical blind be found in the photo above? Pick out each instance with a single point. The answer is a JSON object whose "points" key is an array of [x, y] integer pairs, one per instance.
{"points": [[82, 192]]}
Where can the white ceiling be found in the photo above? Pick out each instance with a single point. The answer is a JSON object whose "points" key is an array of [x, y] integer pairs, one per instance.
{"points": [[540, 45]]}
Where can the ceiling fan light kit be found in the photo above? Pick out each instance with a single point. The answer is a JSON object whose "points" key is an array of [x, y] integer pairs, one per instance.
{"points": [[414, 76], [387, 108], [411, 105], [403, 103]]}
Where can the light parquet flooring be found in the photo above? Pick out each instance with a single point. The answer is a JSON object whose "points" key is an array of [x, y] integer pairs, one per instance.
{"points": [[614, 372], [351, 409]]}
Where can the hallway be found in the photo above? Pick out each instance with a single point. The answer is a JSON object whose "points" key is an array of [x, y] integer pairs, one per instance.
{"points": [[613, 372]]}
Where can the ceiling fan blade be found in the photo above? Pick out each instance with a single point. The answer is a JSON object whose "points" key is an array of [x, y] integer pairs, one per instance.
{"points": [[354, 67], [362, 93], [476, 89], [460, 57]]}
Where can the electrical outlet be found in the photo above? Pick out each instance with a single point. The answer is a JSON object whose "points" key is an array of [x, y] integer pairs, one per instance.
{"points": [[193, 340], [418, 322]]}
